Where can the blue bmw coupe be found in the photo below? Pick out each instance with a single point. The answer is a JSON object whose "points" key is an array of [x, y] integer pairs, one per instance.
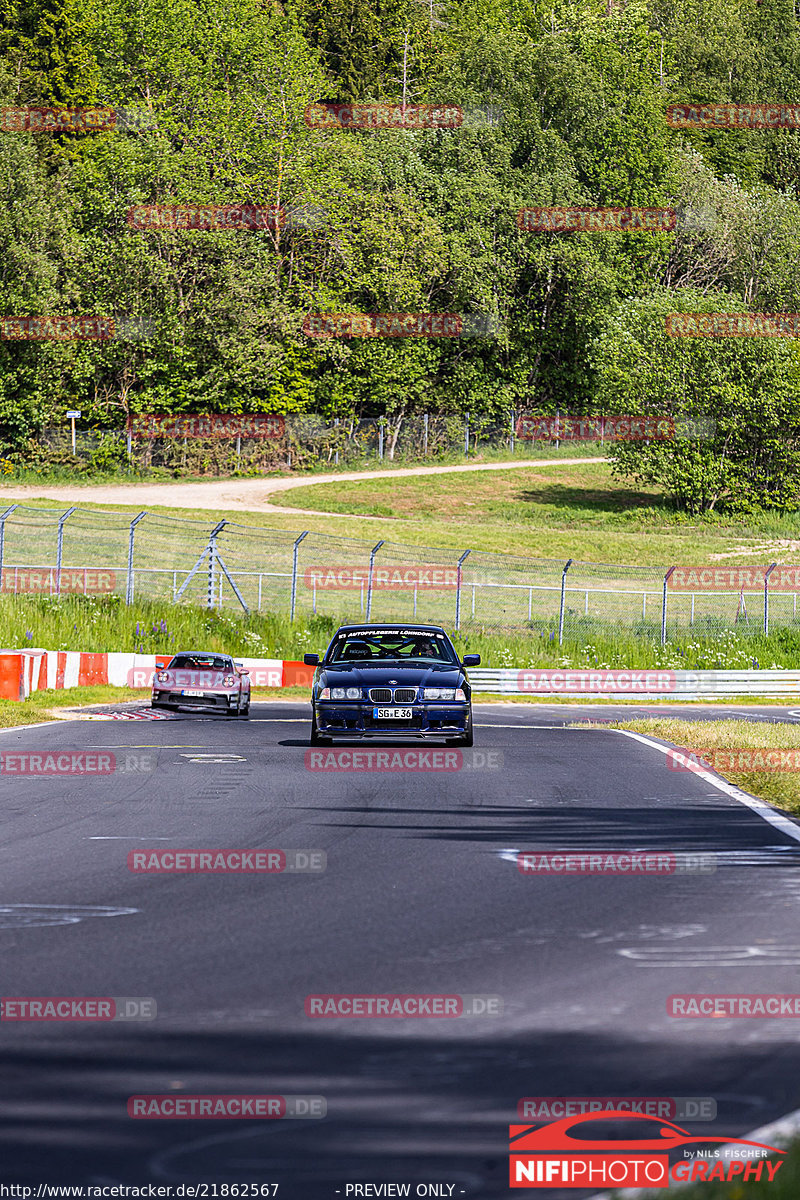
{"points": [[391, 681]]}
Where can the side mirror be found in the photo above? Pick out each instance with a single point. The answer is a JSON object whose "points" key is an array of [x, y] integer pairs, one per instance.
{"points": [[472, 660], [311, 660], [243, 671]]}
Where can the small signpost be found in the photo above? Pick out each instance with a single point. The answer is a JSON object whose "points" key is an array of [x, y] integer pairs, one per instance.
{"points": [[73, 414]]}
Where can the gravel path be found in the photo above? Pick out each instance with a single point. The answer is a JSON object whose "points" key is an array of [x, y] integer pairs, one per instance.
{"points": [[245, 495]]}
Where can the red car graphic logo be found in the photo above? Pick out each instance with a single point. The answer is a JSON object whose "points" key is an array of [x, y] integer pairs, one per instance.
{"points": [[539, 1154]]}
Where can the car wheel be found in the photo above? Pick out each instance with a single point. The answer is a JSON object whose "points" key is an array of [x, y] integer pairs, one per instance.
{"points": [[246, 710], [316, 738]]}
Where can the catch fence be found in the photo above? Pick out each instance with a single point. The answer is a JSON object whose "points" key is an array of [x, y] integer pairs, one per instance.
{"points": [[224, 564]]}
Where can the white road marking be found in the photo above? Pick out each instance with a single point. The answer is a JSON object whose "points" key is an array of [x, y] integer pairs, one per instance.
{"points": [[15, 916], [214, 758], [128, 837], [713, 956], [771, 815]]}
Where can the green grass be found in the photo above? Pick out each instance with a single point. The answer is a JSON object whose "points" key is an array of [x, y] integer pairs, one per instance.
{"points": [[580, 512], [100, 624]]}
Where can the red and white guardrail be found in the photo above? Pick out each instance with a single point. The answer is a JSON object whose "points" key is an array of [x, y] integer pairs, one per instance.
{"points": [[25, 671]]}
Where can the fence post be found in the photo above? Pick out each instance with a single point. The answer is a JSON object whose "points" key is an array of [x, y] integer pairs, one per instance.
{"points": [[458, 588], [294, 576], [466, 434], [567, 566], [664, 607], [238, 452], [425, 435], [129, 581], [60, 546], [767, 574], [513, 430], [372, 554], [212, 561], [336, 439], [3, 516], [380, 439]]}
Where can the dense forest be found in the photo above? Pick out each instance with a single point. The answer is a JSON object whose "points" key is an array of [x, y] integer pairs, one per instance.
{"points": [[563, 103]]}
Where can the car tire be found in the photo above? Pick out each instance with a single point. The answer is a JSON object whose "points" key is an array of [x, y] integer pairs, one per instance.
{"points": [[316, 738], [246, 711]]}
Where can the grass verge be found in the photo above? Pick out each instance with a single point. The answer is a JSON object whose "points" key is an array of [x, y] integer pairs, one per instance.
{"points": [[102, 624]]}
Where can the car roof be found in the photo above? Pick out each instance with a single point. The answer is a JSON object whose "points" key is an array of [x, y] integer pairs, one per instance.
{"points": [[393, 626], [202, 654]]}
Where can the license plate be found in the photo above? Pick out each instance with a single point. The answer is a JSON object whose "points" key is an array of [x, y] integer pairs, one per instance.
{"points": [[392, 714], [191, 692]]}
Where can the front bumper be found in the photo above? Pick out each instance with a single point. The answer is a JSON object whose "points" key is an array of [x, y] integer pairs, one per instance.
{"points": [[355, 720]]}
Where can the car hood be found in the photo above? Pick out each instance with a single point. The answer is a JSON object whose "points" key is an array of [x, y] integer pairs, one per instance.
{"points": [[355, 675]]}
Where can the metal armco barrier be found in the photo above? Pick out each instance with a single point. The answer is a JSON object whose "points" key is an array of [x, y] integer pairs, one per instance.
{"points": [[647, 683]]}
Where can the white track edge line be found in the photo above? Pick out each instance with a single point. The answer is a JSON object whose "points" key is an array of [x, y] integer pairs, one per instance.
{"points": [[760, 807]]}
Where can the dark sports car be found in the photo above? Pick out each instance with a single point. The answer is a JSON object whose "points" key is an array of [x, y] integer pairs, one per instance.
{"points": [[391, 681]]}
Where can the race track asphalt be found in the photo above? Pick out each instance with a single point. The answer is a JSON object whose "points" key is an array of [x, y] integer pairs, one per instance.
{"points": [[421, 894]]}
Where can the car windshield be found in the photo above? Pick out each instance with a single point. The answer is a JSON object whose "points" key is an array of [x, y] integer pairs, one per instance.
{"points": [[201, 662], [391, 646]]}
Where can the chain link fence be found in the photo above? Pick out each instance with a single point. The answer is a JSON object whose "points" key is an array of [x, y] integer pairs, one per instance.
{"points": [[305, 440], [223, 564]]}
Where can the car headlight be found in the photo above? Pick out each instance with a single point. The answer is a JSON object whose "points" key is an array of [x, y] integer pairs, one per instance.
{"points": [[350, 693], [325, 694], [228, 681], [439, 694], [163, 676]]}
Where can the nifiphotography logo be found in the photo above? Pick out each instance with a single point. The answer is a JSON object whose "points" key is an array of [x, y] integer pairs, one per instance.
{"points": [[564, 1154]]}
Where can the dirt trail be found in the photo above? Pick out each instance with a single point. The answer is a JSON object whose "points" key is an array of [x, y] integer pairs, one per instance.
{"points": [[244, 495]]}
